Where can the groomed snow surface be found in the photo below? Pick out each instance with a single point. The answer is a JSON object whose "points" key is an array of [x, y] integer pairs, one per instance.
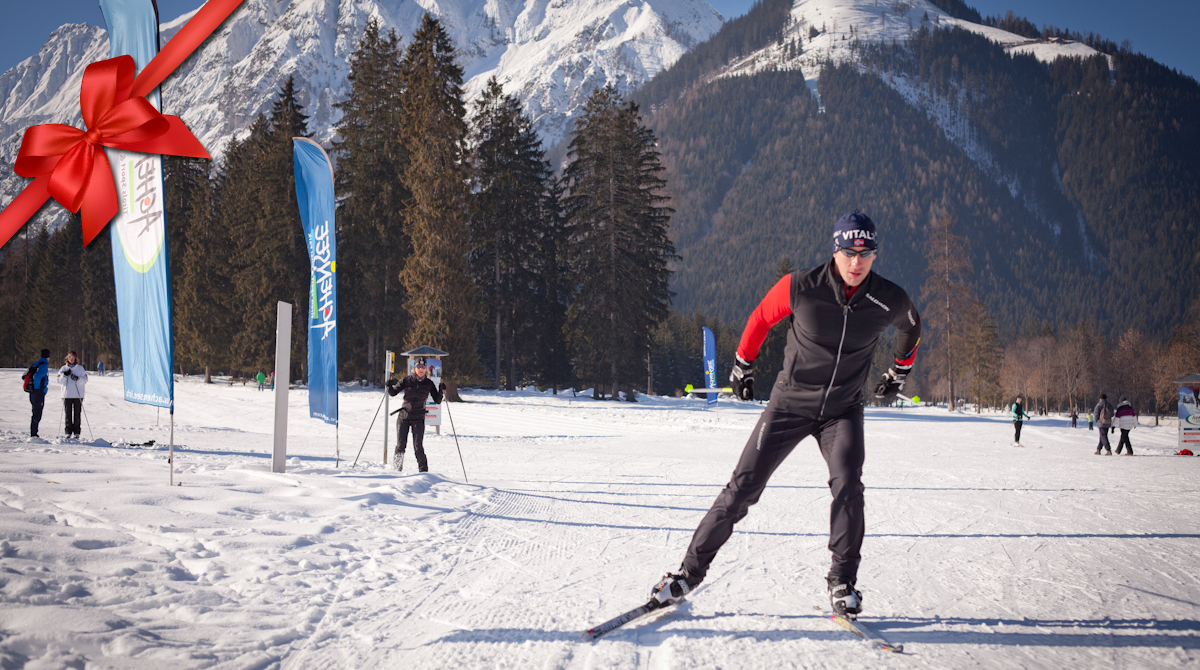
{"points": [[978, 554]]}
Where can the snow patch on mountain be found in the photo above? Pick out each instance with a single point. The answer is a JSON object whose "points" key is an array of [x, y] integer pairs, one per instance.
{"points": [[841, 23], [550, 53]]}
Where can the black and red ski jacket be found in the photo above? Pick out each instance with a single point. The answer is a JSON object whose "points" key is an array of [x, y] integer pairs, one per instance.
{"points": [[831, 338]]}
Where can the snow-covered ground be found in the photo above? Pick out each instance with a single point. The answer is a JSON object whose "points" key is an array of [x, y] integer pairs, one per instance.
{"points": [[977, 555]]}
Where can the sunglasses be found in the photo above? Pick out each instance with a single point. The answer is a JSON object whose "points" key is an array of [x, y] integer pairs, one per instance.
{"points": [[864, 254]]}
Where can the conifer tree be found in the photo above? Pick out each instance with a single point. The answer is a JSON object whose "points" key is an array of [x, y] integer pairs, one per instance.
{"points": [[617, 247], [513, 231], [372, 243], [203, 295], [982, 355], [770, 355], [185, 182], [13, 269], [440, 295], [271, 263]]}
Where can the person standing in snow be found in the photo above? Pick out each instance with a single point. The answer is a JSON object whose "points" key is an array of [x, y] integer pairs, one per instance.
{"points": [[836, 313], [1018, 415], [41, 385], [1104, 416], [262, 380], [416, 387], [100, 368], [1126, 420], [1091, 421], [72, 378], [1074, 417]]}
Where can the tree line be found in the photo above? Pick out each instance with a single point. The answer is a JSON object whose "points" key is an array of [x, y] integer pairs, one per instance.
{"points": [[453, 231]]}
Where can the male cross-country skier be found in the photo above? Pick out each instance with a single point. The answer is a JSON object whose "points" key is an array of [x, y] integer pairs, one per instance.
{"points": [[837, 312], [416, 387]]}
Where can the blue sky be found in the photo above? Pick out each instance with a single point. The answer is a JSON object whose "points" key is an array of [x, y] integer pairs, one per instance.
{"points": [[1162, 29]]}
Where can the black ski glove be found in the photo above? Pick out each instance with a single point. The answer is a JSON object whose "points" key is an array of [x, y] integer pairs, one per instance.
{"points": [[892, 383], [442, 386], [66, 373], [742, 378], [74, 377]]}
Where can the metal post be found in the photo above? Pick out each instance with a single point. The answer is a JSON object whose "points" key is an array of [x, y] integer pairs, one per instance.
{"points": [[171, 457], [283, 363]]}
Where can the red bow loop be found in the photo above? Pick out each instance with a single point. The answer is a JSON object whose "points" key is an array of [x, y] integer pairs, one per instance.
{"points": [[106, 84]]}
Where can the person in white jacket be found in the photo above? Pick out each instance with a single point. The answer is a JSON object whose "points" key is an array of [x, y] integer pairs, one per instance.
{"points": [[72, 378]]}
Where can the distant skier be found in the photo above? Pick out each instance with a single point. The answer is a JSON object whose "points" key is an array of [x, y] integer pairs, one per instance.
{"points": [[1091, 420], [261, 379], [38, 384], [416, 387], [100, 368], [72, 378], [1074, 417], [1018, 415], [838, 311], [1104, 416], [1126, 420]]}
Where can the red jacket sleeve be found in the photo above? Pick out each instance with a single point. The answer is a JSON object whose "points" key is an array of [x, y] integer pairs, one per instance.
{"points": [[775, 307]]}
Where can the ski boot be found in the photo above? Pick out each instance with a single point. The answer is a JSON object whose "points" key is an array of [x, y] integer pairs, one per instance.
{"points": [[398, 461], [673, 587], [845, 600]]}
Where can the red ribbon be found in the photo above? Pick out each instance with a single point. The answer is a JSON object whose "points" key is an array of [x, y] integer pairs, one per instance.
{"points": [[68, 164]]}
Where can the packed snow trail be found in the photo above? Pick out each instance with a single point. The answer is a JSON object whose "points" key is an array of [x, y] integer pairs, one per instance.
{"points": [[977, 555]]}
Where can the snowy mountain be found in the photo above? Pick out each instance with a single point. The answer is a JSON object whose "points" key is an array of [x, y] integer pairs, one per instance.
{"points": [[551, 53], [843, 22]]}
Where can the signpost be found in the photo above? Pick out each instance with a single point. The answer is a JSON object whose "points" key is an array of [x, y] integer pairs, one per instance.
{"points": [[283, 364], [1189, 412]]}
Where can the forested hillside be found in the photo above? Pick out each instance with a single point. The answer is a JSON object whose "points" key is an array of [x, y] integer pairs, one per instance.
{"points": [[1083, 204]]}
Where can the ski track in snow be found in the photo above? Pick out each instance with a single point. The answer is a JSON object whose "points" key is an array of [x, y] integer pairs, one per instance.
{"points": [[977, 555]]}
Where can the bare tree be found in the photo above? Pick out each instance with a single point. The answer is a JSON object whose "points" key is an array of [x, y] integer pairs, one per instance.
{"points": [[1074, 363], [947, 293]]}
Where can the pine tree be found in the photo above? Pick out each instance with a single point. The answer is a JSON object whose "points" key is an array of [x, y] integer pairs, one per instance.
{"points": [[947, 293], [770, 356], [185, 186], [258, 201], [440, 297], [372, 243], [982, 355], [204, 323], [617, 247], [513, 231]]}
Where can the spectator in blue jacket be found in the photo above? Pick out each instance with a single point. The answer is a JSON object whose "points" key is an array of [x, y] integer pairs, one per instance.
{"points": [[41, 385]]}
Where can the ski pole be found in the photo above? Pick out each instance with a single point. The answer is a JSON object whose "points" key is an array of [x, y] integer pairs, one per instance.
{"points": [[369, 429], [89, 423], [455, 433], [60, 411]]}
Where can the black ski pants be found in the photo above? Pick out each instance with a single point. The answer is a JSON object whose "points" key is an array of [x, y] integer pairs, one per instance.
{"points": [[38, 400], [1124, 442], [1017, 435], [776, 434], [417, 426], [72, 407]]}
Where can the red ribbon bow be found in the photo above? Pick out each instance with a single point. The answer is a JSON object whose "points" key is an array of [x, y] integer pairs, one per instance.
{"points": [[69, 165]]}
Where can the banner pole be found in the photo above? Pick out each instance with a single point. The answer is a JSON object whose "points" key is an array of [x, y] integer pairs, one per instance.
{"points": [[171, 457]]}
